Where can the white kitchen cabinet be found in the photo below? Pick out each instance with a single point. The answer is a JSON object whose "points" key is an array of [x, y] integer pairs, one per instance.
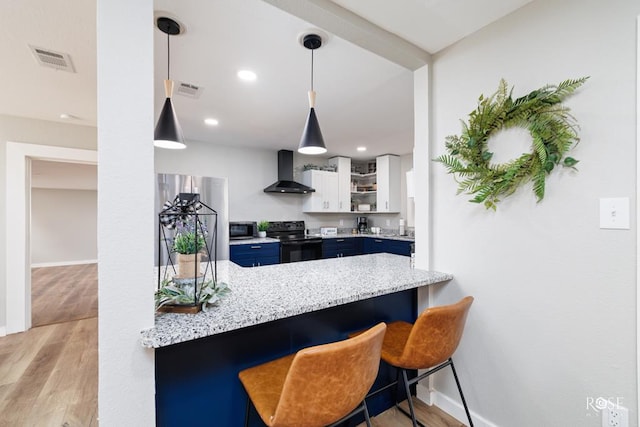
{"points": [[388, 183], [343, 165], [377, 185], [326, 197]]}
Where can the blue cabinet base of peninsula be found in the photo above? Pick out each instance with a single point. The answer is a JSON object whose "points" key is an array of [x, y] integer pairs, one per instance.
{"points": [[197, 381]]}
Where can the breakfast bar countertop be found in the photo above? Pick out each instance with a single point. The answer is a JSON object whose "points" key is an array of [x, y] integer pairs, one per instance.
{"points": [[264, 294]]}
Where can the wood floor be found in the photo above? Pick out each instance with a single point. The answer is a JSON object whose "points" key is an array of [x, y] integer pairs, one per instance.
{"points": [[428, 415], [61, 294], [49, 374]]}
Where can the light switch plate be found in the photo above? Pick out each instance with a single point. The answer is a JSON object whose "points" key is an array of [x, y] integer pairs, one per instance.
{"points": [[614, 213]]}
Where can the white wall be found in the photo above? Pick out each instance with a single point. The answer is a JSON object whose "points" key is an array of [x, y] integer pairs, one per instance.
{"points": [[34, 132], [63, 227], [553, 323]]}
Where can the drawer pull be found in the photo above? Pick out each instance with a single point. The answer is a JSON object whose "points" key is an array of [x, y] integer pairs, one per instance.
{"points": [[256, 247], [340, 240]]}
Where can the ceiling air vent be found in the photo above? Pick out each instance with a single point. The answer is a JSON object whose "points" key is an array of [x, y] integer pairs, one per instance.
{"points": [[187, 89], [49, 58]]}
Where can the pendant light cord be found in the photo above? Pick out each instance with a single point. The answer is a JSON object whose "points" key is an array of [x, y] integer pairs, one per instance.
{"points": [[168, 56], [312, 70]]}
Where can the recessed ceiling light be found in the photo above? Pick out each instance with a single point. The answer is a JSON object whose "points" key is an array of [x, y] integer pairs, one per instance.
{"points": [[247, 75], [361, 148], [211, 122]]}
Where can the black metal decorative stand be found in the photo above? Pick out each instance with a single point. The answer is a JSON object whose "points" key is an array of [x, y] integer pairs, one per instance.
{"points": [[189, 221]]}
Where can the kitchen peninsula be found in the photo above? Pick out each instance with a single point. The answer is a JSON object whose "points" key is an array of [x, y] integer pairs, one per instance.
{"points": [[272, 310]]}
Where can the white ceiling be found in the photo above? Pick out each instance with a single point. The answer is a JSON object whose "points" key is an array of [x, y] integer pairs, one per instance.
{"points": [[432, 24], [30, 90], [362, 98]]}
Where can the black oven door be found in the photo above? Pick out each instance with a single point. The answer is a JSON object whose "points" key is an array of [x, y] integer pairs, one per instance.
{"points": [[301, 250]]}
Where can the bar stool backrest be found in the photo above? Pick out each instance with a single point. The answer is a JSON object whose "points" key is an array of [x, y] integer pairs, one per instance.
{"points": [[435, 335], [327, 382]]}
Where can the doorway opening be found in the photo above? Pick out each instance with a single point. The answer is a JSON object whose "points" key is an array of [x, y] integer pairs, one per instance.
{"points": [[18, 268], [63, 241]]}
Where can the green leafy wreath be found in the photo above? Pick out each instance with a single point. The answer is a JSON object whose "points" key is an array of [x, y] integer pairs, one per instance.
{"points": [[553, 129]]}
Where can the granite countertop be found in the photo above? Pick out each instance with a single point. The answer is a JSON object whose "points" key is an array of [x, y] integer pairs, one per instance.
{"points": [[255, 241], [264, 294], [259, 240], [374, 236]]}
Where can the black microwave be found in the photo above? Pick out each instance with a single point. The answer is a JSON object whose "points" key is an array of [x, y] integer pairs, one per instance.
{"points": [[243, 230]]}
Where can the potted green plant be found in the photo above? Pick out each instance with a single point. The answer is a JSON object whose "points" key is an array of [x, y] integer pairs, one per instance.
{"points": [[188, 244], [263, 226]]}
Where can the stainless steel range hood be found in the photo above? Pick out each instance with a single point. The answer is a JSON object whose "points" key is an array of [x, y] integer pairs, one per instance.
{"points": [[285, 182]]}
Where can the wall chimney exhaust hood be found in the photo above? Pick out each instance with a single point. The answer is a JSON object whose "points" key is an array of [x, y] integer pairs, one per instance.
{"points": [[285, 182]]}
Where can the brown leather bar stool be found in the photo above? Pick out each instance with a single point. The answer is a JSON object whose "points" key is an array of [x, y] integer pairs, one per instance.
{"points": [[426, 344], [317, 386], [429, 344]]}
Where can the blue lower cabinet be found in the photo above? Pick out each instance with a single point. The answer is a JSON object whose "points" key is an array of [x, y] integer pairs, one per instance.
{"points": [[375, 246], [399, 247], [341, 247], [254, 255]]}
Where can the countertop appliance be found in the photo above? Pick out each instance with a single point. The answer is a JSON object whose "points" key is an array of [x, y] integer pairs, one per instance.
{"points": [[329, 231], [294, 245], [242, 230], [363, 224]]}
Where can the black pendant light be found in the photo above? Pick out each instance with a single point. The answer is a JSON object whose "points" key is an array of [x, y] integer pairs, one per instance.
{"points": [[168, 133], [312, 141]]}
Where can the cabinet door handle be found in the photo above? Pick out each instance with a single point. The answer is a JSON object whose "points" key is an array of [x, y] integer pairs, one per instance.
{"points": [[386, 205], [340, 206], [339, 240], [377, 241], [256, 247]]}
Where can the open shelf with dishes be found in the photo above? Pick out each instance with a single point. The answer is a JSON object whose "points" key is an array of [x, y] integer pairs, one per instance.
{"points": [[373, 185], [364, 189]]}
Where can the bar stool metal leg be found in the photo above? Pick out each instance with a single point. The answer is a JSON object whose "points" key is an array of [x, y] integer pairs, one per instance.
{"points": [[246, 414], [405, 380], [366, 414], [464, 402]]}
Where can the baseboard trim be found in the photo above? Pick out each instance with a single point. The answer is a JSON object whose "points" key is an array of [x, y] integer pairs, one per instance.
{"points": [[63, 263], [455, 409]]}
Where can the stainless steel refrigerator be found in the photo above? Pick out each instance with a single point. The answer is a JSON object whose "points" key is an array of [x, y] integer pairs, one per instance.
{"points": [[213, 192]]}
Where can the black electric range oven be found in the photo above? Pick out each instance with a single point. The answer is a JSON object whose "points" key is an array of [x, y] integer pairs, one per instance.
{"points": [[294, 244]]}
